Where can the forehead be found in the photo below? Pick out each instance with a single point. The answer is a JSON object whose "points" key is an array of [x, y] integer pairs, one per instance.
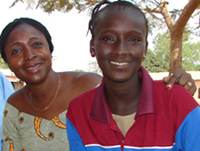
{"points": [[113, 9], [22, 31], [121, 15]]}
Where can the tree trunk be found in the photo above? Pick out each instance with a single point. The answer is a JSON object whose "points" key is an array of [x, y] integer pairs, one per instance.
{"points": [[176, 31], [175, 51]]}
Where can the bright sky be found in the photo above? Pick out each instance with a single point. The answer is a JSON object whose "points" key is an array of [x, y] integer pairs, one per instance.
{"points": [[68, 31]]}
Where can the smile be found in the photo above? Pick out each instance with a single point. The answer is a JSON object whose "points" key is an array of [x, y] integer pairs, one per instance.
{"points": [[33, 68], [119, 63]]}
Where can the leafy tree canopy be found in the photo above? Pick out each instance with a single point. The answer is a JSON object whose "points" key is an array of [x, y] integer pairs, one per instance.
{"points": [[3, 65], [151, 8], [152, 63], [78, 70], [190, 51]]}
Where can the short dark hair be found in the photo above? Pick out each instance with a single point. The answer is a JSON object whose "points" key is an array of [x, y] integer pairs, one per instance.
{"points": [[7, 30], [96, 11]]}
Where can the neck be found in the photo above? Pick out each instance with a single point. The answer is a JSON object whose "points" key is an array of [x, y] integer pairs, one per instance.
{"points": [[43, 92], [123, 98]]}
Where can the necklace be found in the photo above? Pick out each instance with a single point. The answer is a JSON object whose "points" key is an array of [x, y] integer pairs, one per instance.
{"points": [[46, 107]]}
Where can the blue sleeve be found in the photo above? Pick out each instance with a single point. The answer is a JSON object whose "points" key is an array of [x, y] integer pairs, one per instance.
{"points": [[76, 144], [188, 135], [6, 89]]}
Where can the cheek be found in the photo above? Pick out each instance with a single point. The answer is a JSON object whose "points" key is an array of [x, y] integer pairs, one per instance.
{"points": [[45, 51], [102, 60], [101, 57], [138, 51], [14, 63], [44, 54], [102, 50], [47, 57]]}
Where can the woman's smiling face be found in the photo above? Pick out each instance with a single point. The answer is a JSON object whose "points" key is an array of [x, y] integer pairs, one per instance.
{"points": [[120, 42], [27, 53]]}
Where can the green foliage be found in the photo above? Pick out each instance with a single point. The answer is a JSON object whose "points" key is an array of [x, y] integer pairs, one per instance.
{"points": [[152, 63], [59, 5], [151, 9], [190, 51], [162, 48], [191, 55], [3, 65], [78, 70], [94, 67]]}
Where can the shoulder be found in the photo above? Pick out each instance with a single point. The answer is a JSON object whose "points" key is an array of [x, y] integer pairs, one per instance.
{"points": [[18, 98], [85, 80], [10, 118], [90, 79], [11, 109], [80, 107], [82, 102], [160, 86], [177, 102], [177, 91], [82, 76], [178, 98], [84, 99]]}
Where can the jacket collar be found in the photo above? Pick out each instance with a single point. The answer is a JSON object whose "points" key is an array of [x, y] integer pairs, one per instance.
{"points": [[100, 110]]}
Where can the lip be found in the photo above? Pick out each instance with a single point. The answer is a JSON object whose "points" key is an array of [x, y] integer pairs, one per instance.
{"points": [[34, 68], [119, 64]]}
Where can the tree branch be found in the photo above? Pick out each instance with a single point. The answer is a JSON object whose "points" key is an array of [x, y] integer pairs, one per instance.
{"points": [[166, 15], [154, 10], [13, 4], [186, 14]]}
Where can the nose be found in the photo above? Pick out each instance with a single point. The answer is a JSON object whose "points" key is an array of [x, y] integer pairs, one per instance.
{"points": [[121, 47], [29, 53]]}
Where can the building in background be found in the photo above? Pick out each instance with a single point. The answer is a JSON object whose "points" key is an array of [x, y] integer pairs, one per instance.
{"points": [[17, 84]]}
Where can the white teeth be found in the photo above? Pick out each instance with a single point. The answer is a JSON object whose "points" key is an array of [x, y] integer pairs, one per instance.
{"points": [[32, 68], [119, 63]]}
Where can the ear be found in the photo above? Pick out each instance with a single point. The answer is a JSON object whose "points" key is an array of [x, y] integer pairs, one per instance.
{"points": [[145, 52], [92, 51]]}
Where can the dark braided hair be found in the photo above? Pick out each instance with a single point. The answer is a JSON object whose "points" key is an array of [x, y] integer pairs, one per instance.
{"points": [[96, 11], [7, 30]]}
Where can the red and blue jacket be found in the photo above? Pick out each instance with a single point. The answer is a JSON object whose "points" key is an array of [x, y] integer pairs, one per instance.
{"points": [[165, 121]]}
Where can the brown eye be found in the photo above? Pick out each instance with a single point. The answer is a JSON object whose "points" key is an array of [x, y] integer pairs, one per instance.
{"points": [[109, 38], [37, 44], [16, 51], [133, 39]]}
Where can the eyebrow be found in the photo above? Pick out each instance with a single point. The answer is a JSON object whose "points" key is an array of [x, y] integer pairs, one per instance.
{"points": [[33, 38], [137, 32], [19, 42], [15, 44], [132, 31]]}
